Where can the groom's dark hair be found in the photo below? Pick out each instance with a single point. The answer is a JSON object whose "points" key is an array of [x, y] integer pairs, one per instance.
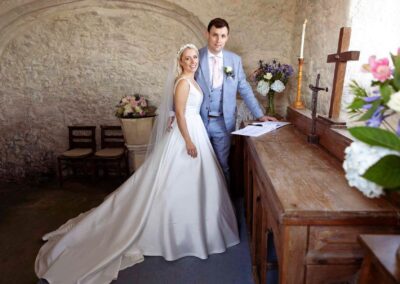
{"points": [[218, 23]]}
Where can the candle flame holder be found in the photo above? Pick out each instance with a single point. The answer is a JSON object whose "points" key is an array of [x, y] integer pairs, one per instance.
{"points": [[298, 104]]}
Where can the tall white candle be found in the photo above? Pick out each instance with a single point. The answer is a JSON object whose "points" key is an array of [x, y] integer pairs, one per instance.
{"points": [[303, 34]]}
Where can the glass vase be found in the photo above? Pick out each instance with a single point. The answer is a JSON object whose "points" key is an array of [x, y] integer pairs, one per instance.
{"points": [[271, 104]]}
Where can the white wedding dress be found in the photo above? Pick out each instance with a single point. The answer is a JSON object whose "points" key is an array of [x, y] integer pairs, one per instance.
{"points": [[173, 206]]}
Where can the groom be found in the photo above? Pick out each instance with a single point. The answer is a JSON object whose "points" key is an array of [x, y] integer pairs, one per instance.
{"points": [[220, 76]]}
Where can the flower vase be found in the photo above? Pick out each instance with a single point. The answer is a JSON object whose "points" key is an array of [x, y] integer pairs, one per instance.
{"points": [[137, 132], [271, 104]]}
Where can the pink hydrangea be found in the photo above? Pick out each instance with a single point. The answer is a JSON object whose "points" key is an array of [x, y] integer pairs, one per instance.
{"points": [[380, 68]]}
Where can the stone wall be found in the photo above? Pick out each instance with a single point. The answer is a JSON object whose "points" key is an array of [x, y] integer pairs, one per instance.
{"points": [[68, 62], [325, 18]]}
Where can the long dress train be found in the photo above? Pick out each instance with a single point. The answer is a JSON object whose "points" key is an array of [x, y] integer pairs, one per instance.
{"points": [[173, 206]]}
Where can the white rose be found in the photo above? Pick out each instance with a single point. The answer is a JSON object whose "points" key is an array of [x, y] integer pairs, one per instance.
{"points": [[394, 102], [228, 69], [127, 109], [359, 157], [138, 109], [278, 86], [267, 76], [263, 88]]}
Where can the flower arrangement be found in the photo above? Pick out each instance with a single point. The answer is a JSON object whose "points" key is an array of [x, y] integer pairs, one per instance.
{"points": [[271, 78], [134, 107], [372, 161]]}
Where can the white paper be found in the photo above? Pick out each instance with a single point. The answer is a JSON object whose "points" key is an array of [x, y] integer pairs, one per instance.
{"points": [[259, 128]]}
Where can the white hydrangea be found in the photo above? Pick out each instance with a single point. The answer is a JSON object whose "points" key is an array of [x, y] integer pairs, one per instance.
{"points": [[394, 102], [278, 86], [359, 157], [263, 87]]}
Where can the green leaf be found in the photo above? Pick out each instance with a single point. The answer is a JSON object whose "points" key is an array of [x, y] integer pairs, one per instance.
{"points": [[386, 90], [357, 90], [396, 82], [356, 104], [396, 62], [354, 115], [386, 172], [396, 75], [376, 137], [371, 111]]}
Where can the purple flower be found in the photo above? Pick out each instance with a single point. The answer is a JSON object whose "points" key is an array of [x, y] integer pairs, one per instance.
{"points": [[371, 99], [367, 106], [279, 71], [398, 128], [376, 119]]}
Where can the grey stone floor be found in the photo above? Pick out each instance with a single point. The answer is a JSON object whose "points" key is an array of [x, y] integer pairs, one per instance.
{"points": [[29, 211]]}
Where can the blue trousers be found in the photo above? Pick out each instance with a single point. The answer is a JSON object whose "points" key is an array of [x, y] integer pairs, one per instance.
{"points": [[221, 141]]}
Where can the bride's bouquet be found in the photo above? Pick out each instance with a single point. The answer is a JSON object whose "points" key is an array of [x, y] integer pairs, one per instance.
{"points": [[134, 107]]}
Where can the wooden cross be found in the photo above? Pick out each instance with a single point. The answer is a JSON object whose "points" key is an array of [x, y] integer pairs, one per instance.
{"points": [[340, 58]]}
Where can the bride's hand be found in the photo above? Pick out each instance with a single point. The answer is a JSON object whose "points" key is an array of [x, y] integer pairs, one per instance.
{"points": [[191, 149]]}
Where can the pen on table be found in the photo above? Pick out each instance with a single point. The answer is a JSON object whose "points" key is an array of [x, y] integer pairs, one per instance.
{"points": [[256, 124]]}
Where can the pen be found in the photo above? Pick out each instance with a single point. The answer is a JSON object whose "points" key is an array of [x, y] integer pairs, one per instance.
{"points": [[256, 124]]}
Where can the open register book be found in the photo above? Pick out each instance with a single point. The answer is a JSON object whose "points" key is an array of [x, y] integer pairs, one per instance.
{"points": [[259, 128]]}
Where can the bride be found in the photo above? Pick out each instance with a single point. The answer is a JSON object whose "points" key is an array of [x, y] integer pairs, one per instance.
{"points": [[175, 205]]}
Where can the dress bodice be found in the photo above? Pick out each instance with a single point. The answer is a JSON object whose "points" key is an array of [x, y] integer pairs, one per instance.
{"points": [[195, 98]]}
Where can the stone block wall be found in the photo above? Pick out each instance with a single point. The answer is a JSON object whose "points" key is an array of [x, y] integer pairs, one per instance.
{"points": [[68, 62]]}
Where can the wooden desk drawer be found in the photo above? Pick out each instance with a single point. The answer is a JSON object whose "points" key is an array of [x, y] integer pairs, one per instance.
{"points": [[331, 274], [338, 244]]}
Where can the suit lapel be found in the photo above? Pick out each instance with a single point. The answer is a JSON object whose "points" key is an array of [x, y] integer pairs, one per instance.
{"points": [[226, 62], [204, 69]]}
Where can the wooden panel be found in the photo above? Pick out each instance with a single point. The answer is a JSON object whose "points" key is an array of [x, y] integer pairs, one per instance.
{"points": [[248, 188], [300, 118], [264, 261], [310, 185], [381, 262], [332, 141], [272, 222], [331, 274], [339, 245], [299, 191], [257, 221], [292, 267]]}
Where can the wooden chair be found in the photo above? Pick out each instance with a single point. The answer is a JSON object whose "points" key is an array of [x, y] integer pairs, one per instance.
{"points": [[113, 155], [82, 145]]}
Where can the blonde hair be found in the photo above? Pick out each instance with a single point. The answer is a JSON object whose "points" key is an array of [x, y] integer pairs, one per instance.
{"points": [[178, 66]]}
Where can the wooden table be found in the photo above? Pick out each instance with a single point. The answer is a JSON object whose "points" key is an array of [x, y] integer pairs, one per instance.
{"points": [[380, 264], [297, 194]]}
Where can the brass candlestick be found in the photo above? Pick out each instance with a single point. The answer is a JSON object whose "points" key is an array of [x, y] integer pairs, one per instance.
{"points": [[298, 103]]}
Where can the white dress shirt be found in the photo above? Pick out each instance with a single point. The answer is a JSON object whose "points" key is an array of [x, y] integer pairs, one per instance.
{"points": [[220, 58]]}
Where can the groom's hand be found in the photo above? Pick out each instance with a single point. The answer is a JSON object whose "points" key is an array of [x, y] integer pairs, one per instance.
{"points": [[170, 122], [267, 118]]}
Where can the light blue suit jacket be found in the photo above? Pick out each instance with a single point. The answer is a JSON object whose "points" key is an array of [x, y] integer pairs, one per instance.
{"points": [[231, 85]]}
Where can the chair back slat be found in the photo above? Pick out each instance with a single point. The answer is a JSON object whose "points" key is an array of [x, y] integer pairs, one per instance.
{"points": [[111, 136], [82, 137]]}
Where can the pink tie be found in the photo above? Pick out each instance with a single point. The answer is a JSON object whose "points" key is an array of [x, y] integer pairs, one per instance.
{"points": [[216, 80]]}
